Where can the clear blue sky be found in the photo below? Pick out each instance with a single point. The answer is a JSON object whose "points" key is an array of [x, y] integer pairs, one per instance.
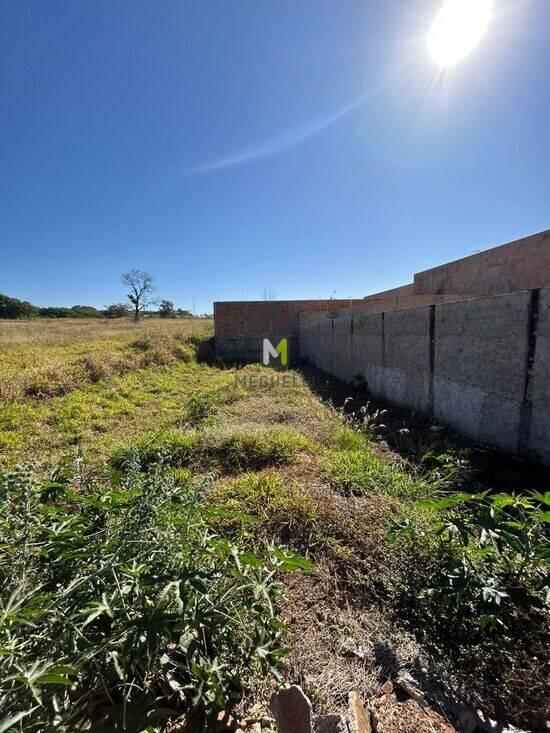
{"points": [[226, 146]]}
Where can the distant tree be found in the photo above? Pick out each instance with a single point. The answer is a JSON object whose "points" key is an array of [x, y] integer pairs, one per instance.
{"points": [[166, 309], [116, 310], [85, 311], [15, 308], [54, 311], [184, 313], [141, 286]]}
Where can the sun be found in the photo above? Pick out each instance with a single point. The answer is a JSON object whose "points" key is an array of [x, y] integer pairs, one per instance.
{"points": [[457, 29]]}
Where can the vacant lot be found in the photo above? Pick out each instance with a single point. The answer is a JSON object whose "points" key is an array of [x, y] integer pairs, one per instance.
{"points": [[137, 436]]}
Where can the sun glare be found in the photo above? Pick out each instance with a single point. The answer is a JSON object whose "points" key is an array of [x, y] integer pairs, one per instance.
{"points": [[457, 29]]}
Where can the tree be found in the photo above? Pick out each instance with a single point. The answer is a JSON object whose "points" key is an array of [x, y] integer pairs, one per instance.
{"points": [[54, 311], [85, 311], [116, 310], [166, 309], [15, 308], [141, 286]]}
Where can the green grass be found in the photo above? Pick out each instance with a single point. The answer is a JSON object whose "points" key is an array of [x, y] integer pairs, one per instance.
{"points": [[234, 450], [362, 472]]}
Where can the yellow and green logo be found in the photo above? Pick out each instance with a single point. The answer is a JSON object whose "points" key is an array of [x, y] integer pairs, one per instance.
{"points": [[279, 351]]}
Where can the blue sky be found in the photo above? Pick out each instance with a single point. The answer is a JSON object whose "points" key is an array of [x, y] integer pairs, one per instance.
{"points": [[227, 146]]}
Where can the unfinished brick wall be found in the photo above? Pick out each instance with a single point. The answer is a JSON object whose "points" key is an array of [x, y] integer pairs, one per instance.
{"points": [[520, 265], [260, 317], [241, 326]]}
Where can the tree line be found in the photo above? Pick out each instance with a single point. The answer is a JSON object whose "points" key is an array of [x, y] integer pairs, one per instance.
{"points": [[140, 303]]}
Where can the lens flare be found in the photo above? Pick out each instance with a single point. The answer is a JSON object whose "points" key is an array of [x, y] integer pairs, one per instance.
{"points": [[457, 29]]}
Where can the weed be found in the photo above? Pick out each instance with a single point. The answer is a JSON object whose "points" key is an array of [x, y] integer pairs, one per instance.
{"points": [[347, 438], [487, 579], [120, 606], [201, 406]]}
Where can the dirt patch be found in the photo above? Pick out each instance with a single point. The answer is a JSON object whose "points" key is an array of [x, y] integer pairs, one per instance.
{"points": [[337, 647]]}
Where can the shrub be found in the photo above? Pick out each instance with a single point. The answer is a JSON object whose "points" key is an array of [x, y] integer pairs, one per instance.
{"points": [[166, 309], [486, 578], [85, 311], [494, 550], [121, 608]]}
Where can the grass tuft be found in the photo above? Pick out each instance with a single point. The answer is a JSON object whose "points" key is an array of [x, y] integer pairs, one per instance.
{"points": [[237, 450], [361, 472]]}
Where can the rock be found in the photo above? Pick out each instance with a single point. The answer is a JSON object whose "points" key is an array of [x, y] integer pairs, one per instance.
{"points": [[470, 719], [358, 717], [391, 716], [329, 724], [350, 648], [406, 683], [387, 688], [225, 721], [291, 710]]}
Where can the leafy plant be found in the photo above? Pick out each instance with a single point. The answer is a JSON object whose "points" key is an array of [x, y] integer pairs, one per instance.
{"points": [[122, 608], [201, 406], [493, 552]]}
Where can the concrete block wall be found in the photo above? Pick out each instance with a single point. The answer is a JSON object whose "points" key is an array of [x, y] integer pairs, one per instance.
{"points": [[481, 365]]}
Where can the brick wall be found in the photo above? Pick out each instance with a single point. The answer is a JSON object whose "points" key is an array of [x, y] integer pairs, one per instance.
{"points": [[241, 326]]}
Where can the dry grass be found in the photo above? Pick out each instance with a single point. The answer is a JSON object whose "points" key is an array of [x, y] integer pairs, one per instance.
{"points": [[70, 332], [51, 357]]}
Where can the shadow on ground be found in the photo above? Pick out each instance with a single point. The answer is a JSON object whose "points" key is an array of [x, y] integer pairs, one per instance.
{"points": [[412, 437]]}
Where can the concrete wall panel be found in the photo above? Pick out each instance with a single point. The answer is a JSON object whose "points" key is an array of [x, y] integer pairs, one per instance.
{"points": [[483, 343], [538, 430], [367, 350], [343, 357], [406, 358], [324, 347], [476, 413], [479, 367]]}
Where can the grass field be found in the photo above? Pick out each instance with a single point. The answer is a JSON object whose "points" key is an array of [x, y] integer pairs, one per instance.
{"points": [[274, 463]]}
